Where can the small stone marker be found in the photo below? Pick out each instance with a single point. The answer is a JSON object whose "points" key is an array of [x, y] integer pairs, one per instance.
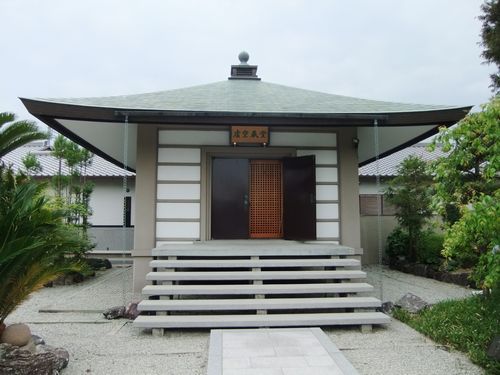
{"points": [[494, 348], [411, 303]]}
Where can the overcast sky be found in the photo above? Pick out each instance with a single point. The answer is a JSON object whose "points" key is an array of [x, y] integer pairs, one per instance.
{"points": [[418, 51]]}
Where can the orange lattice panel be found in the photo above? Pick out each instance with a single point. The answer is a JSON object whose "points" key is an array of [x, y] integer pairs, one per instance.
{"points": [[266, 199]]}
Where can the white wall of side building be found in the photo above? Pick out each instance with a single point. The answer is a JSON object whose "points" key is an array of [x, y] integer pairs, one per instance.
{"points": [[106, 201]]}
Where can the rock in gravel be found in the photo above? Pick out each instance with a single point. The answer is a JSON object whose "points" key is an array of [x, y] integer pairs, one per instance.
{"points": [[16, 334], [15, 361], [114, 312], [411, 303], [37, 340], [387, 307], [61, 355], [131, 311]]}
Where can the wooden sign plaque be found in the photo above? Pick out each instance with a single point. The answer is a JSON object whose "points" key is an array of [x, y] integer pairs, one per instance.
{"points": [[243, 134]]}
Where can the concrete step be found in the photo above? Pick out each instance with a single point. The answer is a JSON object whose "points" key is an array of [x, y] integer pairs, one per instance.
{"points": [[248, 250], [258, 304], [270, 320], [250, 263], [159, 290], [256, 275]]}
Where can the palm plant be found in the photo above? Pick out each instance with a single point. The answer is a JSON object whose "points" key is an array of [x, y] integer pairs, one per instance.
{"points": [[17, 133], [35, 244]]}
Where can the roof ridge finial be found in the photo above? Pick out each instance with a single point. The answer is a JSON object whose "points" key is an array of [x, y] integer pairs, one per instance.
{"points": [[243, 70], [243, 57]]}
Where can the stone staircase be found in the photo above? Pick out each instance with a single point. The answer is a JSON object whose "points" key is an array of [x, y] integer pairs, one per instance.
{"points": [[256, 284]]}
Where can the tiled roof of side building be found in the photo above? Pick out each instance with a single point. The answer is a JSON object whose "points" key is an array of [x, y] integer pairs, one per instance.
{"points": [[50, 164], [387, 166]]}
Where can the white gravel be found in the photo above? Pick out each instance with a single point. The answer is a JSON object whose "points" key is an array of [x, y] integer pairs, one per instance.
{"points": [[99, 346]]}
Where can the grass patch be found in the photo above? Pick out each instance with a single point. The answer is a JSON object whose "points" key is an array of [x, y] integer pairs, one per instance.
{"points": [[467, 325]]}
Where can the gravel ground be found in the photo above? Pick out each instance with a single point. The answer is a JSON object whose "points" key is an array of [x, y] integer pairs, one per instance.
{"points": [[99, 346]]}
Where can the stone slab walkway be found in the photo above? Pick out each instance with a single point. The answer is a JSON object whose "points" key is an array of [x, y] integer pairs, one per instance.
{"points": [[287, 351]]}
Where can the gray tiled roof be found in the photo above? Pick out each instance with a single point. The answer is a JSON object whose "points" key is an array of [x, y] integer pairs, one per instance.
{"points": [[247, 96], [102, 168], [388, 165], [50, 164]]}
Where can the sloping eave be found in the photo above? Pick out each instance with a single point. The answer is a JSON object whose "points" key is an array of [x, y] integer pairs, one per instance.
{"points": [[56, 114]]}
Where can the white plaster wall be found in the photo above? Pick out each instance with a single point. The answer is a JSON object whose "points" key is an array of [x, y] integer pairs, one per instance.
{"points": [[177, 230], [178, 173], [194, 137], [327, 211], [178, 210], [327, 230], [327, 192], [178, 191], [303, 139], [328, 174], [179, 155], [370, 187]]}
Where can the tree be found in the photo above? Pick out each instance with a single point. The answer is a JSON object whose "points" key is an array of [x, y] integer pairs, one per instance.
{"points": [[490, 34], [17, 133], [468, 178], [73, 190], [475, 238], [410, 192], [471, 167], [31, 164]]}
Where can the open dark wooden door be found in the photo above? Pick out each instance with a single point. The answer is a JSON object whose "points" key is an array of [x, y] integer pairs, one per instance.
{"points": [[299, 196], [229, 199]]}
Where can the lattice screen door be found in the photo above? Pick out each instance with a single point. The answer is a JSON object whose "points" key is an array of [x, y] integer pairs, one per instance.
{"points": [[266, 199]]}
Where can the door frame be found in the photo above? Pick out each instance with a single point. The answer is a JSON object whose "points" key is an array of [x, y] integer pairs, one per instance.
{"points": [[208, 153]]}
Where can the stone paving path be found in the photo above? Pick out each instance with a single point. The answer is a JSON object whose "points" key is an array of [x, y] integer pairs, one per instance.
{"points": [[391, 285], [287, 351]]}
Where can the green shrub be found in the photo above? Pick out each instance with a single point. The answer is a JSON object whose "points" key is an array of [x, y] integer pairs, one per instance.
{"points": [[472, 240], [397, 244], [430, 245], [430, 248], [467, 179]]}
